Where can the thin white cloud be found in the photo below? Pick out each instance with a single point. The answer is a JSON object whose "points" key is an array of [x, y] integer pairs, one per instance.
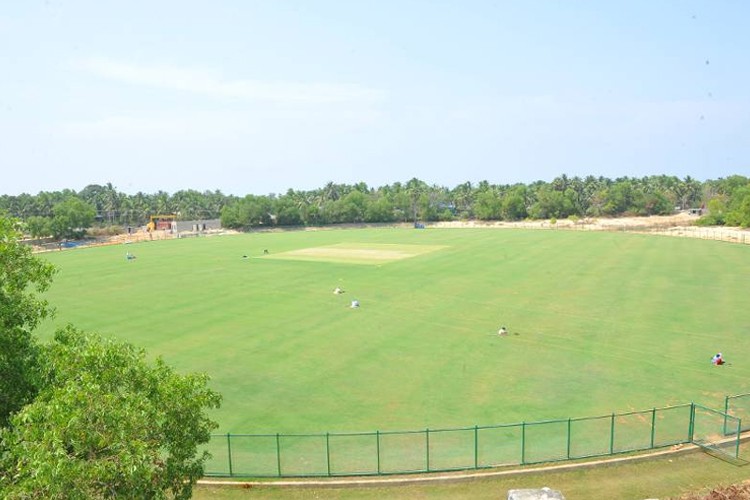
{"points": [[154, 128], [212, 83], [223, 126]]}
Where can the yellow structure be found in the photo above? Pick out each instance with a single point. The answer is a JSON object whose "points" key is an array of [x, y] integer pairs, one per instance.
{"points": [[161, 222]]}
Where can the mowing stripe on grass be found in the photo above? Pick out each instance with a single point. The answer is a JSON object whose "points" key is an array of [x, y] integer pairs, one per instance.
{"points": [[598, 322]]}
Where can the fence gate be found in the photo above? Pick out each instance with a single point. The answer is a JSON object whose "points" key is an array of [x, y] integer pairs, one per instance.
{"points": [[715, 430]]}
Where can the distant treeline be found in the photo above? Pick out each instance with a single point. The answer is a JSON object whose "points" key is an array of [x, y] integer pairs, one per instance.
{"points": [[725, 201]]}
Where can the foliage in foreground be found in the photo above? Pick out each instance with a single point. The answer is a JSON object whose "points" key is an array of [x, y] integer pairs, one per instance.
{"points": [[85, 417], [21, 275], [107, 424]]}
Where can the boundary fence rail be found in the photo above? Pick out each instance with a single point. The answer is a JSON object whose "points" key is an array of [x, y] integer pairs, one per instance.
{"points": [[713, 233], [478, 447]]}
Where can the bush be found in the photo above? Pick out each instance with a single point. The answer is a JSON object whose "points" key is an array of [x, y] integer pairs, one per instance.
{"points": [[710, 220]]}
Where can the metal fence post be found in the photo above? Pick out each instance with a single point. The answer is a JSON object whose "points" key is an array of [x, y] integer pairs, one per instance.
{"points": [[229, 453], [427, 447], [377, 448], [726, 412], [278, 454], [691, 424], [524, 460], [328, 454], [476, 447], [653, 426], [737, 443]]}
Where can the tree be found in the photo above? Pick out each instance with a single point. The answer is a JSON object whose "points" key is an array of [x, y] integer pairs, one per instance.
{"points": [[230, 216], [488, 205], [288, 212], [85, 417], [353, 207], [739, 207], [514, 204], [251, 211], [72, 217], [38, 227], [106, 424], [551, 203], [105, 200], [415, 189], [255, 211], [618, 199], [380, 210], [657, 203], [21, 276], [716, 212], [576, 193], [400, 199], [463, 199]]}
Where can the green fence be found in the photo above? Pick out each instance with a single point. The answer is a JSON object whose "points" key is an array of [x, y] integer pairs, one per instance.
{"points": [[739, 406], [479, 447], [716, 431]]}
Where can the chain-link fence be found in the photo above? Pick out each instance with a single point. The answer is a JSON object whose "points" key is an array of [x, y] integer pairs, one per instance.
{"points": [[739, 406], [438, 450], [716, 431]]}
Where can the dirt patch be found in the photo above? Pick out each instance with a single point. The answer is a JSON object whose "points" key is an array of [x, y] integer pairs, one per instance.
{"points": [[602, 224], [357, 254], [732, 492], [680, 225]]}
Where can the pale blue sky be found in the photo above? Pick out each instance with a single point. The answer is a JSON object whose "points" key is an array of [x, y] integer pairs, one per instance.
{"points": [[260, 96]]}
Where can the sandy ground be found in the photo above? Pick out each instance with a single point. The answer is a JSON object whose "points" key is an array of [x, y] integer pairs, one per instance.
{"points": [[657, 221], [680, 225], [372, 253]]}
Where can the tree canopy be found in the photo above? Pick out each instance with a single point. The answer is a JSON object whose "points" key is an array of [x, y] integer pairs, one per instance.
{"points": [[106, 423], [333, 203], [83, 416], [22, 277]]}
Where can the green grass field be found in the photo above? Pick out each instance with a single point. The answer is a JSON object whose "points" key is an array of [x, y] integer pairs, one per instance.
{"points": [[598, 322]]}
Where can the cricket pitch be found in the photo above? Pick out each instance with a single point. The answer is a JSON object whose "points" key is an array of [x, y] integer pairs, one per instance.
{"points": [[356, 253]]}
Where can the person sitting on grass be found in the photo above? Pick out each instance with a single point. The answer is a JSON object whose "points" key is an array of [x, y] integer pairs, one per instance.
{"points": [[718, 359], [502, 331]]}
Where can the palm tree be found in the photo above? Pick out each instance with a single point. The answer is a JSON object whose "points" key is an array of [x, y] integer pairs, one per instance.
{"points": [[110, 202], [692, 195], [463, 198], [560, 183], [414, 188], [162, 203], [331, 192]]}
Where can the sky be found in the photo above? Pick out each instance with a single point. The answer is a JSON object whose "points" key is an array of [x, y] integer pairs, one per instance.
{"points": [[257, 97]]}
